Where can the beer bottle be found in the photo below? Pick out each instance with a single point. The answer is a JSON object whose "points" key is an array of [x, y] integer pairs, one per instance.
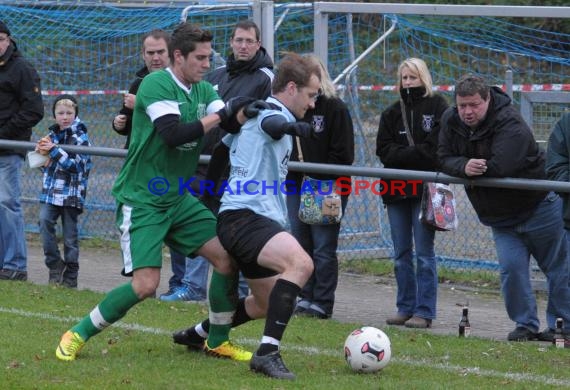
{"points": [[464, 325], [558, 339]]}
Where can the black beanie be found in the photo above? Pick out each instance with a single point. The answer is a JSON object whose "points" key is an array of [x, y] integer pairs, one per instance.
{"points": [[4, 28], [62, 97]]}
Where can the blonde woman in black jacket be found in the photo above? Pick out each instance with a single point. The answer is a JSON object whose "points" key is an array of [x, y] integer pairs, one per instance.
{"points": [[417, 286]]}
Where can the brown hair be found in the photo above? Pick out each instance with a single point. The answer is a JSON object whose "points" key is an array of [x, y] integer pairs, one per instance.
{"points": [[471, 84], [296, 68], [185, 37], [247, 24]]}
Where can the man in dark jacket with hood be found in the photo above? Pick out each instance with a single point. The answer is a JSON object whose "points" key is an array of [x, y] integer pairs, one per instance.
{"points": [[558, 161], [155, 57], [484, 135], [21, 108], [248, 72]]}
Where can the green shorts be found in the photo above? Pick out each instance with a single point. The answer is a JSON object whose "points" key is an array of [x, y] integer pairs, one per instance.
{"points": [[184, 227]]}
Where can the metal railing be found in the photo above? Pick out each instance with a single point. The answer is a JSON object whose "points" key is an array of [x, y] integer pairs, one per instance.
{"points": [[438, 177]]}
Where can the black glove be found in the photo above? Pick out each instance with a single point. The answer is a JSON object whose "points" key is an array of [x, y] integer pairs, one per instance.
{"points": [[301, 129], [252, 109], [228, 114]]}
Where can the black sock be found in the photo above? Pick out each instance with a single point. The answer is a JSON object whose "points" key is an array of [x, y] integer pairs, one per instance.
{"points": [[281, 305], [266, 349], [240, 316]]}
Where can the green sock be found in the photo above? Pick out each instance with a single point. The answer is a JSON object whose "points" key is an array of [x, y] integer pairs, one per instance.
{"points": [[223, 301], [112, 308]]}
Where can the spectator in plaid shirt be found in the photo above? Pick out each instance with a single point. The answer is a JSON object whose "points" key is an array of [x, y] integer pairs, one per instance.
{"points": [[63, 192]]}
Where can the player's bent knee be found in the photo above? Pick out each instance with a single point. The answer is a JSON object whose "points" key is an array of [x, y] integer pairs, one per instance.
{"points": [[224, 266], [145, 291], [304, 265], [145, 282]]}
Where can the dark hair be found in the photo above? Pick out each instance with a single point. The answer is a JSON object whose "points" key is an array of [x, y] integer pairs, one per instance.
{"points": [[65, 97], [157, 34], [185, 37], [247, 24], [470, 84], [4, 28], [296, 68]]}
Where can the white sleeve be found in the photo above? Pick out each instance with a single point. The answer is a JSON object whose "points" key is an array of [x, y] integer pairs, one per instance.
{"points": [[215, 106]]}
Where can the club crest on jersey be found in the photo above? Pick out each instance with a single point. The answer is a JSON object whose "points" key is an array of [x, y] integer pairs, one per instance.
{"points": [[188, 146], [318, 123], [201, 111], [427, 123]]}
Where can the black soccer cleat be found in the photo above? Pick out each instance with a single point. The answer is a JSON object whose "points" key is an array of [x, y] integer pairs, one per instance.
{"points": [[271, 365], [190, 338]]}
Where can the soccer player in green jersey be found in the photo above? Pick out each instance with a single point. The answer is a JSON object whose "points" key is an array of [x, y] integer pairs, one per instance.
{"points": [[173, 110]]}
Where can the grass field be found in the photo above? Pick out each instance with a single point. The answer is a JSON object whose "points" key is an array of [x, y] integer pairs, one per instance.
{"points": [[137, 353]]}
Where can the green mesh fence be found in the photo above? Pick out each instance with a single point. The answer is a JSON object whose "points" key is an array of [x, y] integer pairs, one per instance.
{"points": [[92, 49]]}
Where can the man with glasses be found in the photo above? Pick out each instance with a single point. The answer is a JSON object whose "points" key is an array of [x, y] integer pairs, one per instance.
{"points": [[247, 72], [484, 135]]}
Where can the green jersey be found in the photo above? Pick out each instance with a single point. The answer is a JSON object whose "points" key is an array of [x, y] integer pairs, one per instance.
{"points": [[154, 174]]}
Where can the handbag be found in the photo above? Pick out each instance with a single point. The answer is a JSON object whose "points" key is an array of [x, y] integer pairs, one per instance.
{"points": [[320, 203], [437, 207]]}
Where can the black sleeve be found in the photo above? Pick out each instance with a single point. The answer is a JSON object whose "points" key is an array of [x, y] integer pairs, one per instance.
{"points": [[218, 163], [128, 112], [451, 162], [174, 133], [274, 125], [127, 129]]}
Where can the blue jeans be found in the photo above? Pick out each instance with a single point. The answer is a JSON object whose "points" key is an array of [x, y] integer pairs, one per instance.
{"points": [[193, 273], [13, 254], [185, 273], [417, 287], [49, 215], [567, 234], [542, 236], [320, 242]]}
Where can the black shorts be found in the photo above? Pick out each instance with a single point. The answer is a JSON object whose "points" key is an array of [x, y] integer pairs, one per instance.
{"points": [[243, 234]]}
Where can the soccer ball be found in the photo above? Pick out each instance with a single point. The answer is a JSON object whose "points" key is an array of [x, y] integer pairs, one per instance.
{"points": [[367, 349]]}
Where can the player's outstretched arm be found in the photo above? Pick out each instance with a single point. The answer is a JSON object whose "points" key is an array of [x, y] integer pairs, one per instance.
{"points": [[277, 126]]}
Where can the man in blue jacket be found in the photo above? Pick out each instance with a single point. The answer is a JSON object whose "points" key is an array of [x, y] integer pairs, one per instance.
{"points": [[21, 108]]}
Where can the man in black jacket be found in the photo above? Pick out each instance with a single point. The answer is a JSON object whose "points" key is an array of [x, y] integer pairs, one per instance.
{"points": [[155, 57], [558, 161], [21, 108], [484, 135]]}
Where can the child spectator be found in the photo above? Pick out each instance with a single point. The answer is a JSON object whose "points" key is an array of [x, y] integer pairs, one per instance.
{"points": [[63, 191]]}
